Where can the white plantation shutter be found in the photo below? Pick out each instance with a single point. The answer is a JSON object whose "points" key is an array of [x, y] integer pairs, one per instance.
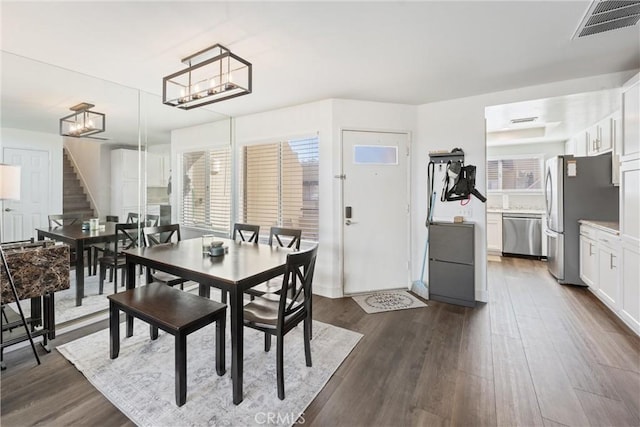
{"points": [[517, 173], [279, 186], [206, 189]]}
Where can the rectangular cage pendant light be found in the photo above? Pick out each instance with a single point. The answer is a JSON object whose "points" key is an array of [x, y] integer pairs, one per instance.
{"points": [[213, 74], [83, 122]]}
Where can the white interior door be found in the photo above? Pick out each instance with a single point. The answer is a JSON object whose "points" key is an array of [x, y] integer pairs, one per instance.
{"points": [[21, 217], [375, 211]]}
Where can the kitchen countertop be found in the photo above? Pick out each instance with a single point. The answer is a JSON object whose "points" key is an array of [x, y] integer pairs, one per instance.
{"points": [[608, 226]]}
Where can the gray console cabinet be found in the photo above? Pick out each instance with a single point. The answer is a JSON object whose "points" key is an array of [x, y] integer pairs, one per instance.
{"points": [[451, 263]]}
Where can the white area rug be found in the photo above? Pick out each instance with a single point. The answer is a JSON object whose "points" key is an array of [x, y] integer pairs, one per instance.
{"points": [[388, 301], [140, 382]]}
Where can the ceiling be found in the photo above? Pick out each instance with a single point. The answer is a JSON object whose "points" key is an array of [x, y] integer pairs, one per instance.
{"points": [[397, 52]]}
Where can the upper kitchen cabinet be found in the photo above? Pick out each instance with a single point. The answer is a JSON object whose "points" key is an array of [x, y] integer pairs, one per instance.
{"points": [[599, 137], [631, 119], [157, 170]]}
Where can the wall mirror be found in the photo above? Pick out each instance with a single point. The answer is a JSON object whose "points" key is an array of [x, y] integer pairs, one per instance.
{"points": [[125, 168]]}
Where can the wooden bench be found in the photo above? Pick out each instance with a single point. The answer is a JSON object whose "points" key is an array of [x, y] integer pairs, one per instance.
{"points": [[176, 312]]}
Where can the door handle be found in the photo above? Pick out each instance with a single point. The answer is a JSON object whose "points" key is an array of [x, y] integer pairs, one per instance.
{"points": [[349, 222], [8, 209]]}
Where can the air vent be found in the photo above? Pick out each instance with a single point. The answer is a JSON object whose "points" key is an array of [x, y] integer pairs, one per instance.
{"points": [[607, 15]]}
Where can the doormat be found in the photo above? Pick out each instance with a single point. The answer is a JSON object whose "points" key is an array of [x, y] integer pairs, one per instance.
{"points": [[387, 301]]}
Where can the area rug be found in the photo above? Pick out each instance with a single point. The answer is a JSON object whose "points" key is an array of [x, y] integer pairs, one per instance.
{"points": [[140, 382], [387, 301]]}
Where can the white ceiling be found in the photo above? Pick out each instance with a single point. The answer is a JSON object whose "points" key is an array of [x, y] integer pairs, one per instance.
{"points": [[399, 52]]}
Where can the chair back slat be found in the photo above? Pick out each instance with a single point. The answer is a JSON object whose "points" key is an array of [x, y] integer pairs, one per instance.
{"points": [[60, 220], [127, 237], [291, 236], [150, 219], [161, 234], [298, 279], [241, 229]]}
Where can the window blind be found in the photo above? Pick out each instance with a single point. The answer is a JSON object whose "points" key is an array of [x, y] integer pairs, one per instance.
{"points": [[206, 189], [279, 186], [515, 174]]}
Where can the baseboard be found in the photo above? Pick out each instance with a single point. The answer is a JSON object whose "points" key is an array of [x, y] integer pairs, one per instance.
{"points": [[482, 295], [327, 292]]}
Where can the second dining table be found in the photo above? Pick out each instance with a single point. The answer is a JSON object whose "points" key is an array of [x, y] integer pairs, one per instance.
{"points": [[243, 266], [77, 237]]}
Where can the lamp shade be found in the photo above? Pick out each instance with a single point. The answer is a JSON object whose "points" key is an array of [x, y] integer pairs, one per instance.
{"points": [[9, 182]]}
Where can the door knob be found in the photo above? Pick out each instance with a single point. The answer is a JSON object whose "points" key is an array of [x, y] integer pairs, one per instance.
{"points": [[8, 209]]}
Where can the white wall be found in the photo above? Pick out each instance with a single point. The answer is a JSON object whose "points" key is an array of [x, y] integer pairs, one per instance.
{"points": [[92, 160], [460, 123]]}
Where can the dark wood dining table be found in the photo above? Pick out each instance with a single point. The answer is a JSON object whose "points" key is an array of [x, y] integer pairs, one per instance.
{"points": [[77, 238], [243, 266]]}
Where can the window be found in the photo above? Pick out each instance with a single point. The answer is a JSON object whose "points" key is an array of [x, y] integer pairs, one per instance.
{"points": [[206, 189], [279, 186], [515, 173]]}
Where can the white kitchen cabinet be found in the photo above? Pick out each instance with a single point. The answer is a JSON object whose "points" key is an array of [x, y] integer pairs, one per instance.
{"points": [[608, 269], [630, 201], [599, 137], [588, 256], [155, 170], [124, 182], [158, 170], [616, 144], [631, 119], [630, 285], [494, 233]]}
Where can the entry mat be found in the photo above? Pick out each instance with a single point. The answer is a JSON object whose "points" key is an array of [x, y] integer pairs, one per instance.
{"points": [[387, 301]]}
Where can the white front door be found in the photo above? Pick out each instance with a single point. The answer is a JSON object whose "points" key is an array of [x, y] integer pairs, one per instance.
{"points": [[375, 211], [20, 218]]}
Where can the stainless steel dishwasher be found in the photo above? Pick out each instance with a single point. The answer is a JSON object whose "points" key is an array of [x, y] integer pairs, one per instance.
{"points": [[521, 234]]}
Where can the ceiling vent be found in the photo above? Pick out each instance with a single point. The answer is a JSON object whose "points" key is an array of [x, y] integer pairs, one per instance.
{"points": [[607, 15]]}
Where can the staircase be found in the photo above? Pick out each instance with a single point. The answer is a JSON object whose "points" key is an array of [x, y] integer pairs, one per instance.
{"points": [[74, 200]]}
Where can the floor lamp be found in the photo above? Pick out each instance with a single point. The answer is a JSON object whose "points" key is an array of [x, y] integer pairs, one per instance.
{"points": [[10, 190]]}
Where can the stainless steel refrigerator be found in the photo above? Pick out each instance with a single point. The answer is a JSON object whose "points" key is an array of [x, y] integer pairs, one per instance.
{"points": [[575, 188]]}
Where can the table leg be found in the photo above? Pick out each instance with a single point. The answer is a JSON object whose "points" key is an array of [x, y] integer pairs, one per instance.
{"points": [[181, 369], [114, 330], [79, 272], [220, 350], [52, 316], [237, 331], [131, 284]]}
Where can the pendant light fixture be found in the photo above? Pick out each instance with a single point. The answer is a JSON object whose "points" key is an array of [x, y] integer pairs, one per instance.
{"points": [[83, 122], [213, 74]]}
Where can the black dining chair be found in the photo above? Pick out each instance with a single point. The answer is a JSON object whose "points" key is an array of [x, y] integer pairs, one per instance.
{"points": [[127, 237], [160, 235], [60, 220], [98, 248], [278, 314], [281, 237], [150, 219], [239, 230]]}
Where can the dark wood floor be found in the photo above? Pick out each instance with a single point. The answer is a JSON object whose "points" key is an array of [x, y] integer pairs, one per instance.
{"points": [[537, 354]]}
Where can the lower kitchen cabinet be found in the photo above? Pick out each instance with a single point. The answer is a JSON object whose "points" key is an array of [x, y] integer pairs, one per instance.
{"points": [[608, 279], [494, 233], [588, 259], [630, 292], [609, 265]]}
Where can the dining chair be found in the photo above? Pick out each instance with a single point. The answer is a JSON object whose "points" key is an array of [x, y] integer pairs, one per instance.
{"points": [[97, 248], [281, 237], [60, 220], [159, 235], [239, 230], [151, 220], [278, 314], [127, 237]]}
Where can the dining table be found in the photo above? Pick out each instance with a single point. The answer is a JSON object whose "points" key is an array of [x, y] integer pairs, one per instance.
{"points": [[78, 238], [242, 266]]}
